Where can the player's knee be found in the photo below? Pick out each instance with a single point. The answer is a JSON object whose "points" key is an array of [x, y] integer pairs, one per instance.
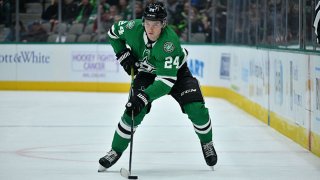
{"points": [[196, 111], [127, 118]]}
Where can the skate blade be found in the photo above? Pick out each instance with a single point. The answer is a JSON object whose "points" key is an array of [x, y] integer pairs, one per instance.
{"points": [[102, 169], [212, 168]]}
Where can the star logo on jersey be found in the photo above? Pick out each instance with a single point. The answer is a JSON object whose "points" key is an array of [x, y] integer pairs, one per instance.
{"points": [[168, 47], [130, 24], [145, 66], [146, 54]]}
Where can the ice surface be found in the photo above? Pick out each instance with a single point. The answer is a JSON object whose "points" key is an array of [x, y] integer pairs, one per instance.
{"points": [[61, 135]]}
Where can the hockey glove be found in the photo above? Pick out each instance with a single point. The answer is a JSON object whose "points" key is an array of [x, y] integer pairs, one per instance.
{"points": [[138, 100], [127, 60]]}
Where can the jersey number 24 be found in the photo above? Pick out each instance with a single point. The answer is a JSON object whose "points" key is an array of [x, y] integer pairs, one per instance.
{"points": [[171, 62]]}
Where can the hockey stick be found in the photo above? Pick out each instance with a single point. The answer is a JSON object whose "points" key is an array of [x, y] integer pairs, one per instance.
{"points": [[124, 172]]}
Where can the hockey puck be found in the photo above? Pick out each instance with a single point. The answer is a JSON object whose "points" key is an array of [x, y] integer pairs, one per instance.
{"points": [[132, 177]]}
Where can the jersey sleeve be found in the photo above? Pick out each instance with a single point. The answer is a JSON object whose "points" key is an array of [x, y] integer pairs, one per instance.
{"points": [[117, 35]]}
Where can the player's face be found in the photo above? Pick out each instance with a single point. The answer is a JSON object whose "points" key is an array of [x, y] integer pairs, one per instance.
{"points": [[153, 29]]}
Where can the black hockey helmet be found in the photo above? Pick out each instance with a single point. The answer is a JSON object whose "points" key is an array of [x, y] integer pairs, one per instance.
{"points": [[155, 12]]}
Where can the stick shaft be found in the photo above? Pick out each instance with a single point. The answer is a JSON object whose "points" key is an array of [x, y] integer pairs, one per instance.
{"points": [[132, 123]]}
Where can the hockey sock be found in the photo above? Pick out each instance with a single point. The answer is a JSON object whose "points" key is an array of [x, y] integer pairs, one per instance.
{"points": [[199, 115], [122, 135]]}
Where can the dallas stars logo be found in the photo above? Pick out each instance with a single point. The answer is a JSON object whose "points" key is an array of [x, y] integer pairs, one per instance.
{"points": [[168, 47], [145, 66], [130, 24]]}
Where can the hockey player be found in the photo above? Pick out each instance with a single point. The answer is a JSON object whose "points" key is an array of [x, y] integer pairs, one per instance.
{"points": [[316, 22], [161, 69]]}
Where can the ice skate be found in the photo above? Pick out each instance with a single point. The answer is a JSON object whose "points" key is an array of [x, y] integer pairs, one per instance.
{"points": [[108, 160], [209, 154]]}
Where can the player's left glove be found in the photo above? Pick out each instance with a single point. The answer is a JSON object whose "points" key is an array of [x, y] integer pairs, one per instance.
{"points": [[128, 61], [137, 102]]}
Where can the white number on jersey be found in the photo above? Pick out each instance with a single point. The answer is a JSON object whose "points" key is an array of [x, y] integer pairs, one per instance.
{"points": [[121, 29], [120, 23], [169, 62]]}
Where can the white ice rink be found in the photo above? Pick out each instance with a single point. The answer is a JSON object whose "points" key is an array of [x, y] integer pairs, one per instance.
{"points": [[61, 136]]}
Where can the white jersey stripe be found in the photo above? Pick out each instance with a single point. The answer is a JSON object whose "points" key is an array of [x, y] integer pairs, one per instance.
{"points": [[111, 35], [167, 77], [202, 126], [203, 129], [185, 57], [203, 132], [123, 135], [124, 126], [168, 83]]}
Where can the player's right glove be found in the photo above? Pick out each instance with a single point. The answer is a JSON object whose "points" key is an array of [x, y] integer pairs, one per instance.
{"points": [[138, 100], [128, 60]]}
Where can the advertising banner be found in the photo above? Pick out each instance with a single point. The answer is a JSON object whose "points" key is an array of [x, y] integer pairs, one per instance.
{"points": [[288, 86], [8, 65], [60, 62], [204, 63], [259, 78], [315, 93], [253, 73]]}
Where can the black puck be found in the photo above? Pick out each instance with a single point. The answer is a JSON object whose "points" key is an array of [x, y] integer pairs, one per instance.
{"points": [[132, 177]]}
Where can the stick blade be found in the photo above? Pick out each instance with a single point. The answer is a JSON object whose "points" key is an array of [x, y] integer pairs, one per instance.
{"points": [[126, 174]]}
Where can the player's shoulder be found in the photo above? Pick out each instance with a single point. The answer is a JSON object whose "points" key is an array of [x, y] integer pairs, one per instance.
{"points": [[169, 33], [122, 29], [169, 41], [131, 24]]}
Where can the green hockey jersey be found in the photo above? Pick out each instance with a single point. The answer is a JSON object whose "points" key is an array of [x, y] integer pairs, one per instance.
{"points": [[163, 57]]}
